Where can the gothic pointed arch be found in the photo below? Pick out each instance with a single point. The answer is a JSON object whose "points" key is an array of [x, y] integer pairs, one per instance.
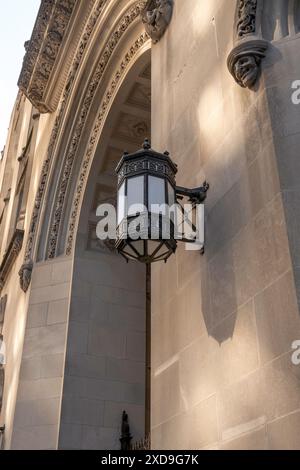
{"points": [[116, 38]]}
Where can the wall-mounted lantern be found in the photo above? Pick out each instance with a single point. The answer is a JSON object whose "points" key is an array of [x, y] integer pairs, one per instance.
{"points": [[147, 217]]}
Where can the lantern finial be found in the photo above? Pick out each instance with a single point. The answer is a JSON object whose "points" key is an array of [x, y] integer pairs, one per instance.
{"points": [[146, 144]]}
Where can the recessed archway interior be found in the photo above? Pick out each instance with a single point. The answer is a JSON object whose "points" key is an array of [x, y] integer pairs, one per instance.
{"points": [[105, 358]]}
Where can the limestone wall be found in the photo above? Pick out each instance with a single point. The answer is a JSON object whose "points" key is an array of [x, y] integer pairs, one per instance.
{"points": [[105, 356], [224, 323], [15, 318]]}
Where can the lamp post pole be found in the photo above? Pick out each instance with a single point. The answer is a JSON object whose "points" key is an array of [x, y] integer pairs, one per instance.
{"points": [[148, 353]]}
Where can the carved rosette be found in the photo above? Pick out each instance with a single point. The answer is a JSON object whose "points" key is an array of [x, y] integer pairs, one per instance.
{"points": [[244, 61], [156, 17]]}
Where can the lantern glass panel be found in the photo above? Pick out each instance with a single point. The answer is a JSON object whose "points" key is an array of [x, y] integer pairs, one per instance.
{"points": [[152, 246], [121, 203], [162, 252], [135, 195], [130, 252], [139, 246], [156, 194]]}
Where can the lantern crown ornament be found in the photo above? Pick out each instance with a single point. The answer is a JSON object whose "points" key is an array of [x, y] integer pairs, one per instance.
{"points": [[147, 217]]}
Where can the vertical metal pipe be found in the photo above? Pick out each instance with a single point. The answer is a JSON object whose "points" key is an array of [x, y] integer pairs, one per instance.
{"points": [[148, 353]]}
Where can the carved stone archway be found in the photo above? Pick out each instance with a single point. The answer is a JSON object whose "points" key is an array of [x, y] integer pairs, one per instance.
{"points": [[70, 150]]}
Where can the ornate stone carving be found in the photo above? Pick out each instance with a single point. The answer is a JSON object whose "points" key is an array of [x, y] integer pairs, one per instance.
{"points": [[33, 46], [3, 302], [50, 151], [42, 50], [246, 17], [10, 256], [29, 252], [25, 275], [156, 17], [94, 135], [122, 27], [244, 60]]}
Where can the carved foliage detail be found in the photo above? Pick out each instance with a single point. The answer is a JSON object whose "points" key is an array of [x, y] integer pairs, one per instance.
{"points": [[130, 16], [50, 151], [94, 136], [246, 17], [43, 48]]}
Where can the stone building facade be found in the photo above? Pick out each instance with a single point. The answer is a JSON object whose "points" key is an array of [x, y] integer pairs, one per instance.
{"points": [[214, 83]]}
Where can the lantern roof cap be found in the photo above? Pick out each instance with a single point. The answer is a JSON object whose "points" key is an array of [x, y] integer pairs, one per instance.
{"points": [[147, 151]]}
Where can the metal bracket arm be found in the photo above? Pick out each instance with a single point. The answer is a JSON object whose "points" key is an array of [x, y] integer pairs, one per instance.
{"points": [[196, 195]]}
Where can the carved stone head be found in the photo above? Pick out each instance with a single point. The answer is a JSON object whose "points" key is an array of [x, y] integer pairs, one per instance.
{"points": [[25, 275], [246, 71], [245, 59]]}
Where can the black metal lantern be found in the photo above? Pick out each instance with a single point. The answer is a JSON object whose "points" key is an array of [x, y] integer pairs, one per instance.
{"points": [[146, 180], [146, 191]]}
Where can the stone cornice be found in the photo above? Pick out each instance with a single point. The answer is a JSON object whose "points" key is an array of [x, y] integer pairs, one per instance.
{"points": [[50, 51], [10, 256]]}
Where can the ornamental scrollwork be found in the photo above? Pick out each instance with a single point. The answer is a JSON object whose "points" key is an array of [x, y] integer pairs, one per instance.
{"points": [[26, 270], [43, 49], [246, 18], [122, 27], [156, 17]]}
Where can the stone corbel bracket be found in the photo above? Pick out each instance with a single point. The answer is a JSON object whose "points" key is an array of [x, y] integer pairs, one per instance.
{"points": [[244, 61], [156, 17]]}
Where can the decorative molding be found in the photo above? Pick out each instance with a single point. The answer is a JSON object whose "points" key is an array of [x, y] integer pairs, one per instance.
{"points": [[93, 138], [3, 302], [246, 18], [133, 13], [156, 17], [33, 46], [35, 217], [43, 50], [10, 256], [29, 255], [244, 61]]}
